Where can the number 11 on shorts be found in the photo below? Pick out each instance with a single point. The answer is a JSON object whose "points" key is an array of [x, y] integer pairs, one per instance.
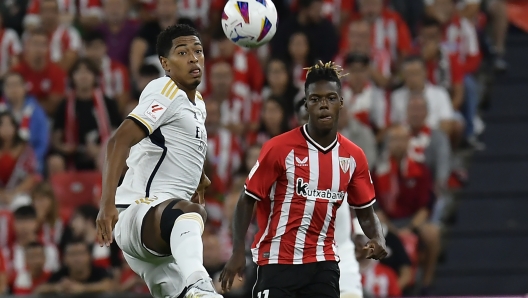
{"points": [[263, 294]]}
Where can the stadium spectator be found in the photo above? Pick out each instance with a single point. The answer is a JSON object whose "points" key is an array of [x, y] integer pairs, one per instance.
{"points": [[273, 123], [25, 226], [361, 99], [13, 13], [118, 30], [64, 40], [223, 150], [299, 57], [85, 119], [378, 279], [404, 192], [29, 114], [51, 224], [78, 276], [143, 48], [439, 104], [358, 40], [10, 48], [147, 73], [26, 281], [363, 136], [280, 84], [19, 171], [322, 35], [44, 79], [388, 30], [114, 81], [82, 227], [443, 68]]}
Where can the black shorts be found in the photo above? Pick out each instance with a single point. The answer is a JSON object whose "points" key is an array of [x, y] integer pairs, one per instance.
{"points": [[319, 280]]}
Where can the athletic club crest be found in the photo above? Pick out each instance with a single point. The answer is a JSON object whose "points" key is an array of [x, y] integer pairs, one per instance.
{"points": [[344, 163]]}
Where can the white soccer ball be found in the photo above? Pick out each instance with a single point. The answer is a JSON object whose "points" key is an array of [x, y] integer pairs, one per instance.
{"points": [[249, 23]]}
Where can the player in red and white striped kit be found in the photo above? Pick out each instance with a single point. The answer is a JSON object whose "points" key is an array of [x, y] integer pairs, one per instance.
{"points": [[298, 183]]}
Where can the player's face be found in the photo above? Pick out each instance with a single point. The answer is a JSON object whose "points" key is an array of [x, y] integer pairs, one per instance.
{"points": [[185, 62], [324, 102]]}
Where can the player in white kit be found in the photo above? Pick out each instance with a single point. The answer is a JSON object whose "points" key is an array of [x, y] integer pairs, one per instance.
{"points": [[159, 225]]}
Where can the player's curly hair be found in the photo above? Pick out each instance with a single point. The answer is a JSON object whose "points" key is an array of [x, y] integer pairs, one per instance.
{"points": [[165, 38], [323, 72]]}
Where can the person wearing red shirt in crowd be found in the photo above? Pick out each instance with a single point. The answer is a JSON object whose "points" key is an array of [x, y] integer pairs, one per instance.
{"points": [[298, 182], [89, 12], [26, 281], [404, 190], [388, 30], [51, 224], [223, 149], [378, 280], [10, 48], [443, 68], [3, 275], [336, 11], [64, 40], [114, 82], [359, 36], [45, 80]]}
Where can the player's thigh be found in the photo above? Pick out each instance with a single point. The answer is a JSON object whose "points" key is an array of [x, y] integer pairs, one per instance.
{"points": [[281, 281], [161, 275], [324, 283]]}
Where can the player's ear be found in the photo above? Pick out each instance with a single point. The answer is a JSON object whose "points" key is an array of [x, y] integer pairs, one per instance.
{"points": [[341, 101], [164, 63]]}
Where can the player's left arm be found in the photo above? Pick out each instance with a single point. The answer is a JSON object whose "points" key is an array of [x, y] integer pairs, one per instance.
{"points": [[361, 198]]}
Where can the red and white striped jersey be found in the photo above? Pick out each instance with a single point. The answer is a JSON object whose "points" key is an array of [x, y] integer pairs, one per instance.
{"points": [[460, 37], [115, 80], [6, 228], [72, 7], [299, 185], [52, 234], [225, 154], [63, 39], [10, 46], [15, 257], [369, 106]]}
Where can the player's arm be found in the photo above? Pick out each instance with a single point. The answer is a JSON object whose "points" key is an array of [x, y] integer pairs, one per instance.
{"points": [[361, 198]]}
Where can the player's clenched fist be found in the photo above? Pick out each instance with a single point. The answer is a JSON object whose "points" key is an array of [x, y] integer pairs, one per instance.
{"points": [[235, 266], [105, 223], [376, 249]]}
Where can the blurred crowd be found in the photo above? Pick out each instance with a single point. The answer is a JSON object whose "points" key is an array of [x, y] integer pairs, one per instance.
{"points": [[71, 71]]}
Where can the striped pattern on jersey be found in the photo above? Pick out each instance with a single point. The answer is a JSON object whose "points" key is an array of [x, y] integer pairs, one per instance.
{"points": [[296, 220]]}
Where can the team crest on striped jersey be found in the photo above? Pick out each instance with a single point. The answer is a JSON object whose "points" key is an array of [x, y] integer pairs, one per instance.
{"points": [[344, 163]]}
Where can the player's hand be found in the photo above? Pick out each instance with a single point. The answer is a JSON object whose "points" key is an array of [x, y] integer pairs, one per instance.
{"points": [[199, 195], [235, 266], [376, 249], [105, 223]]}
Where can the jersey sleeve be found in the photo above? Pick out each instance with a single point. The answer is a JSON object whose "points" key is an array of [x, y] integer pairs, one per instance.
{"points": [[264, 173], [361, 189], [155, 106]]}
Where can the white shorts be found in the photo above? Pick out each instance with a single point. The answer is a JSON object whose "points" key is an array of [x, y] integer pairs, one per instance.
{"points": [[160, 273], [350, 278]]}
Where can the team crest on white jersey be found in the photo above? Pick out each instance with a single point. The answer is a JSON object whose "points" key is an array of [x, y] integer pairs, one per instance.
{"points": [[301, 162], [344, 163], [155, 110]]}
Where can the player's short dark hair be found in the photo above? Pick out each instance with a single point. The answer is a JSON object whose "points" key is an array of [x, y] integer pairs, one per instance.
{"points": [[165, 38], [149, 70], [88, 212], [323, 72], [34, 244], [25, 212], [360, 58], [412, 59], [93, 36], [428, 22]]}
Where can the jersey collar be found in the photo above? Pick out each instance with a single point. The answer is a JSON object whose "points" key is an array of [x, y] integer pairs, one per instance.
{"points": [[304, 132]]}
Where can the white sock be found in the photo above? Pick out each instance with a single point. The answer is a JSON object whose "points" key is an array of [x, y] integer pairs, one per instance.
{"points": [[187, 246]]}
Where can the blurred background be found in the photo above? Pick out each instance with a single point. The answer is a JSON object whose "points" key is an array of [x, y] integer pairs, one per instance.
{"points": [[435, 96]]}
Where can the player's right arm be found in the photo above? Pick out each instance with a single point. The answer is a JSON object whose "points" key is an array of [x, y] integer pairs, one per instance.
{"points": [[154, 109], [264, 173]]}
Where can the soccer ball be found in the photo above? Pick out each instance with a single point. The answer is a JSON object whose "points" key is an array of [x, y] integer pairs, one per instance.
{"points": [[249, 23]]}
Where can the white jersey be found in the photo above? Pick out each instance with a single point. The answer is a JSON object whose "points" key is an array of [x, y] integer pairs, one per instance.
{"points": [[168, 163]]}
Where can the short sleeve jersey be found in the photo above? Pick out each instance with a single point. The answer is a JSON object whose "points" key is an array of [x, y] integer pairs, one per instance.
{"points": [[167, 163]]}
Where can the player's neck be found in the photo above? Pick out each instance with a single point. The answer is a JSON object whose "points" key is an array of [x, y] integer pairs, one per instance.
{"points": [[323, 138], [191, 93]]}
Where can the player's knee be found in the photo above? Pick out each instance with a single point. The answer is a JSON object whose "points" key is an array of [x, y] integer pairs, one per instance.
{"points": [[196, 208]]}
